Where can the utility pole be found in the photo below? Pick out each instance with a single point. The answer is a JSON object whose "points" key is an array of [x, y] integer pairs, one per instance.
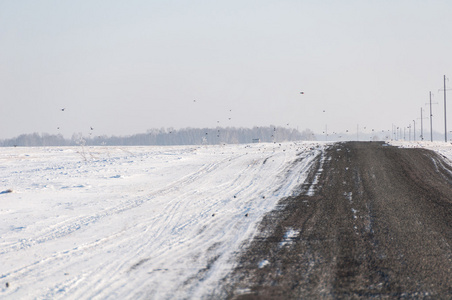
{"points": [[422, 124], [445, 111], [431, 131], [422, 127], [445, 115], [431, 115], [414, 130], [393, 132]]}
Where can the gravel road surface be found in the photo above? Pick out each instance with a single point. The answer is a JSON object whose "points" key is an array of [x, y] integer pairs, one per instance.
{"points": [[373, 221]]}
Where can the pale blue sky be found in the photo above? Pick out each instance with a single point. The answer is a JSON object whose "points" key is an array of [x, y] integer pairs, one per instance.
{"points": [[123, 67]]}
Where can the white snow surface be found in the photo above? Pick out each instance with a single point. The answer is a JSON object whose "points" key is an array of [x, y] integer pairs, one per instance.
{"points": [[136, 222], [443, 148]]}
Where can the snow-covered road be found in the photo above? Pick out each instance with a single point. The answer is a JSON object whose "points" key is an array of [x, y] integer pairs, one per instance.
{"points": [[135, 222]]}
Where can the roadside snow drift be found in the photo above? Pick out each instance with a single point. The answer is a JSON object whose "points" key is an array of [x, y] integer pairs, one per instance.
{"points": [[135, 222], [443, 148]]}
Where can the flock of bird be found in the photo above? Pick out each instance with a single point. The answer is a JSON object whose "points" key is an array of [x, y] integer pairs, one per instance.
{"points": [[63, 110], [229, 119]]}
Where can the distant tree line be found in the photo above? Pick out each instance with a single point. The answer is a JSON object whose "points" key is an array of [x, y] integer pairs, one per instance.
{"points": [[167, 136]]}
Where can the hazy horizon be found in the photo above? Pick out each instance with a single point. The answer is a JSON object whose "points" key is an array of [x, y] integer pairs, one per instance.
{"points": [[178, 136], [122, 68]]}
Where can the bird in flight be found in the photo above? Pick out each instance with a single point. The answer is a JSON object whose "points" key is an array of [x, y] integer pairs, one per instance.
{"points": [[63, 109]]}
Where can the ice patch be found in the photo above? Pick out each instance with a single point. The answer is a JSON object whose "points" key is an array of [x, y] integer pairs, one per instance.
{"points": [[349, 196], [289, 236], [263, 263], [354, 213], [312, 189]]}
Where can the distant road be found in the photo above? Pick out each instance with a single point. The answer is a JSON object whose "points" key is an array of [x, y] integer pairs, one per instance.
{"points": [[377, 222]]}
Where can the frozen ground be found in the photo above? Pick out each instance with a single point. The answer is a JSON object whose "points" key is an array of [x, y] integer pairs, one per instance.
{"points": [[135, 222], [442, 148]]}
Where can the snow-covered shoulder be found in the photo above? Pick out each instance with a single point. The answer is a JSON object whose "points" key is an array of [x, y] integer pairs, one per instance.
{"points": [[136, 222], [443, 148]]}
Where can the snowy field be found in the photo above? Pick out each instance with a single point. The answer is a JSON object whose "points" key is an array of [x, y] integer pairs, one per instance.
{"points": [[135, 222], [442, 148]]}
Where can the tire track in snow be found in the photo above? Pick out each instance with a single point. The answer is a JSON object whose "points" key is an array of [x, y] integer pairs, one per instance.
{"points": [[142, 248], [199, 239], [166, 227], [63, 229], [67, 227]]}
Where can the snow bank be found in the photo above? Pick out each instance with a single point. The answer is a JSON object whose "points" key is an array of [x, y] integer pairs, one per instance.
{"points": [[442, 148], [135, 222]]}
